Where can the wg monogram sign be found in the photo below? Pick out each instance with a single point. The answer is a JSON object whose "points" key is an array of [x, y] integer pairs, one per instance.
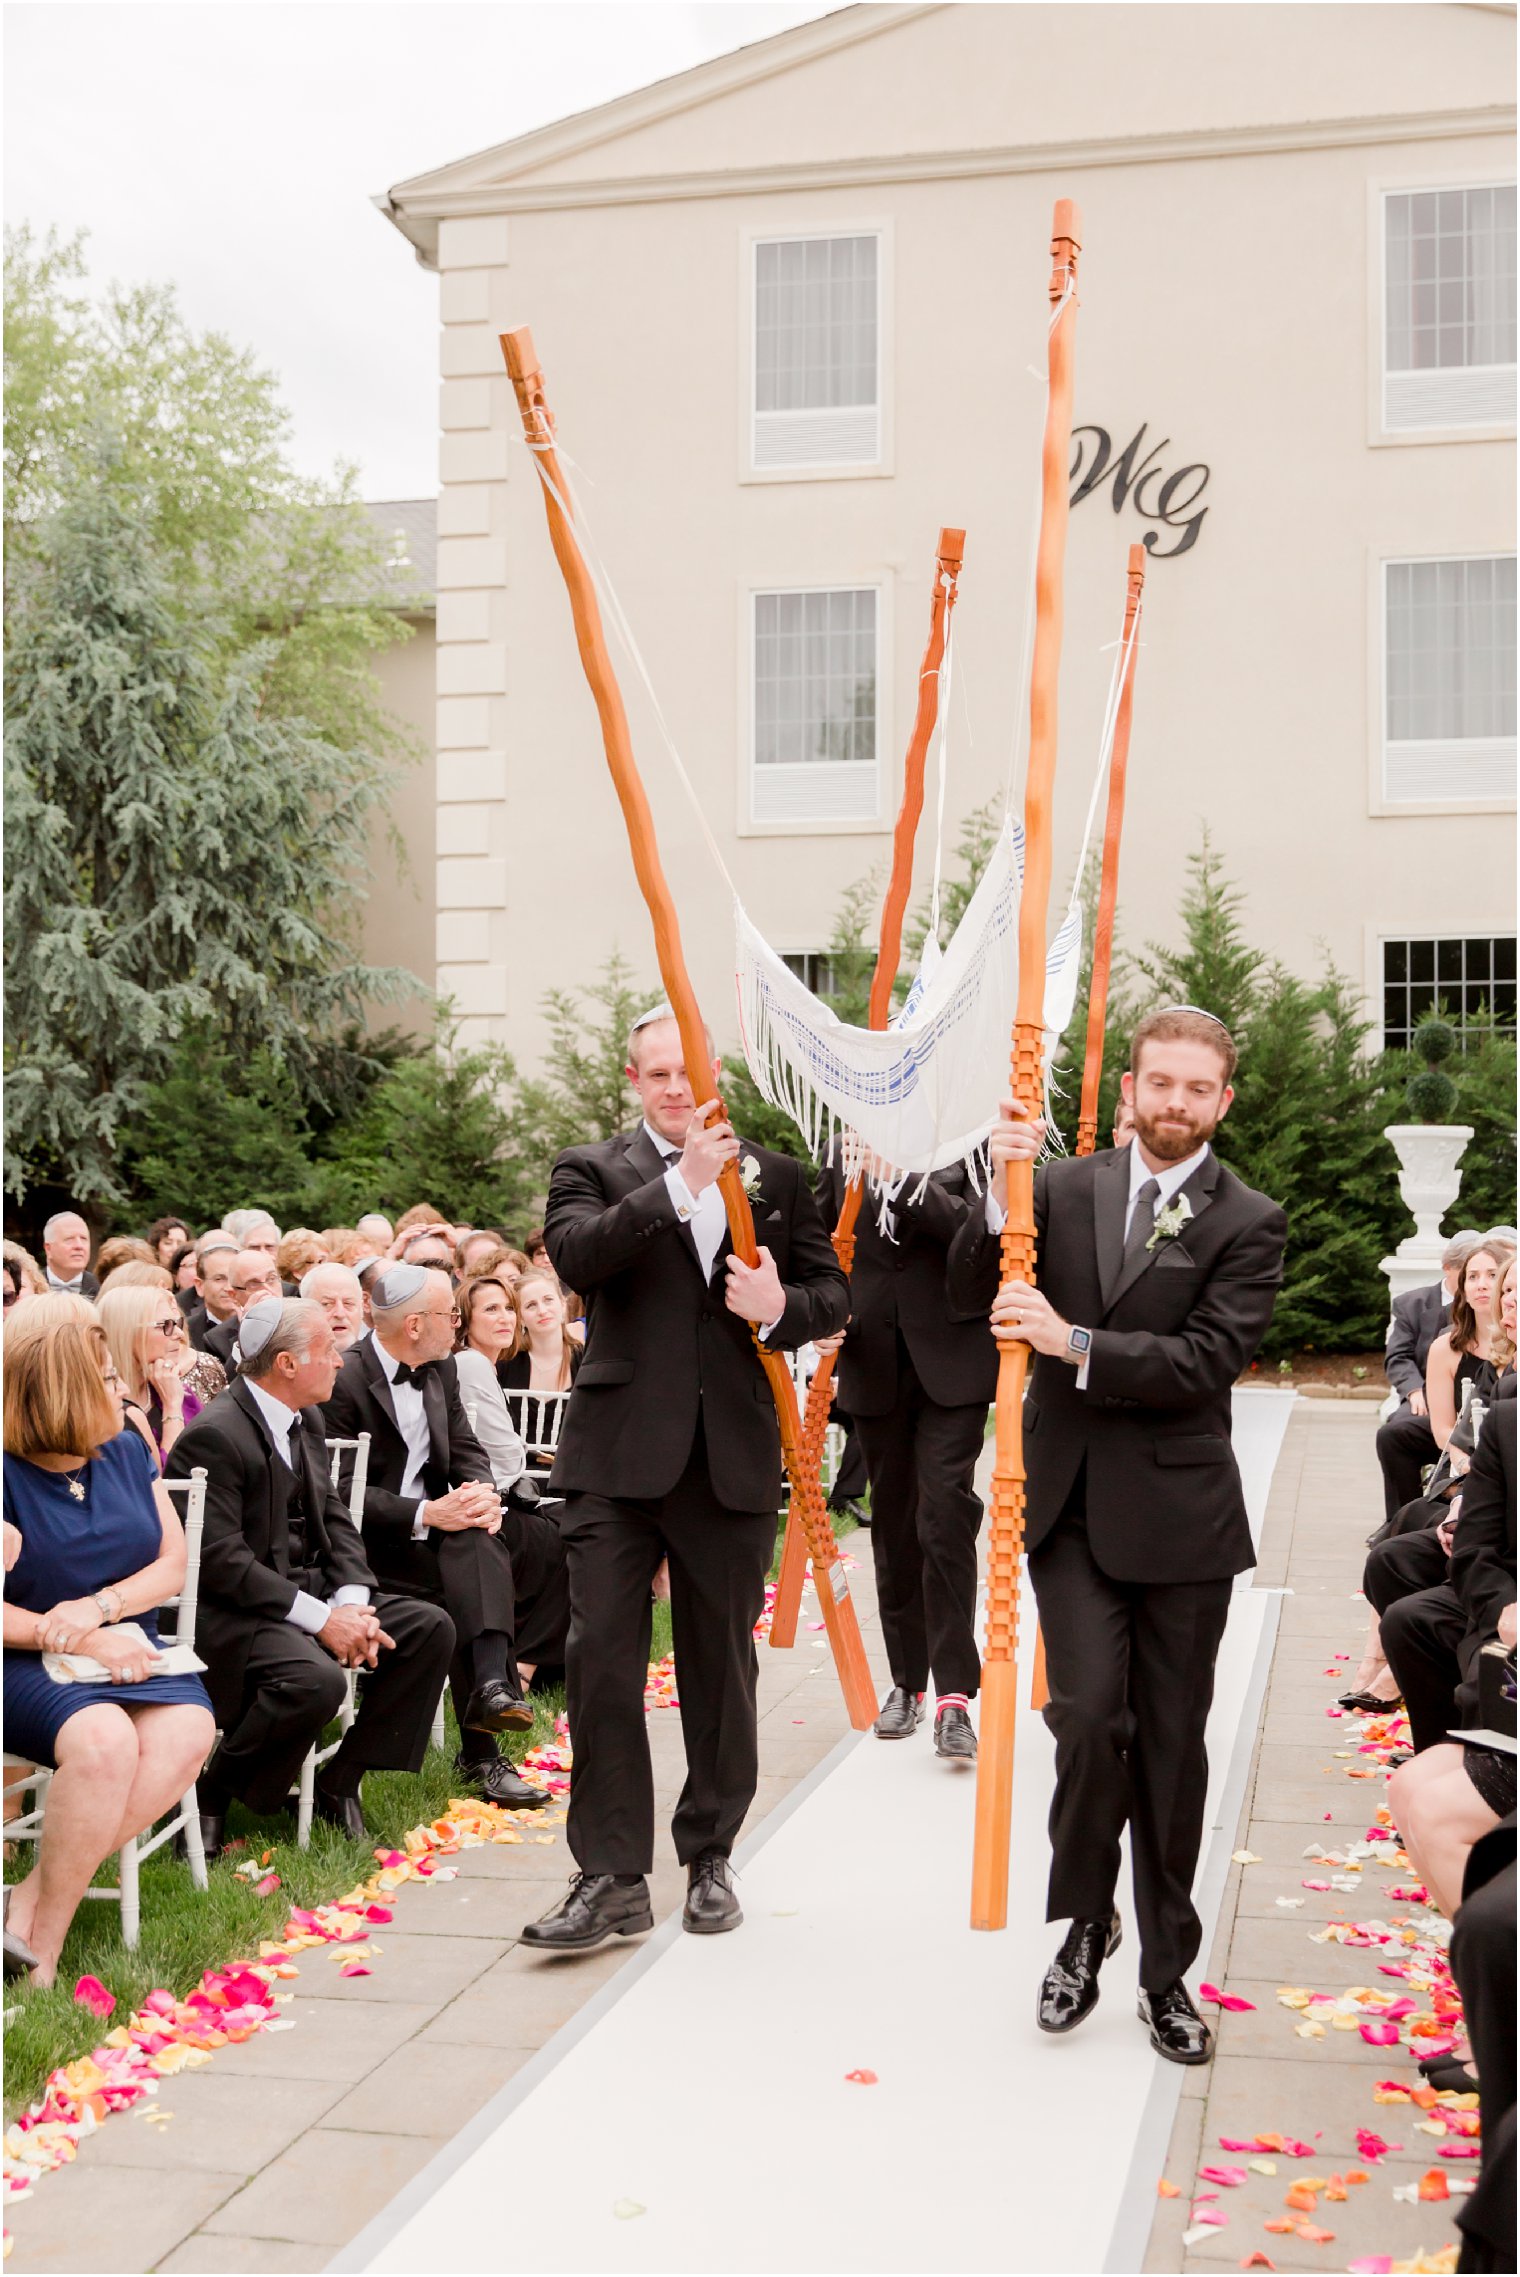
{"points": [[1170, 501]]}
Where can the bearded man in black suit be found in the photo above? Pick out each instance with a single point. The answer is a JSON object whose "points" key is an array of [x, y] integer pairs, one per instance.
{"points": [[916, 1376], [670, 1449], [288, 1600], [1158, 1273]]}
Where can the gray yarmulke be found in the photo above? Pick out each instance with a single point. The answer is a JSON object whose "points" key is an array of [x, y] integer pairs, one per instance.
{"points": [[397, 1285], [258, 1324]]}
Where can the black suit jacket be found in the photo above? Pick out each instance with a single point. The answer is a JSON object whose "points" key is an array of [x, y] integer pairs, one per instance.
{"points": [[245, 1564], [662, 1347], [1483, 1546], [1171, 1334], [200, 1325], [1419, 1316], [899, 1284], [361, 1401], [221, 1341]]}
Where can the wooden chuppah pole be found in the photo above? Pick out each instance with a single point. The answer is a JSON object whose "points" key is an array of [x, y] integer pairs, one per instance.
{"points": [[807, 1495], [1005, 1541], [1108, 891], [947, 566]]}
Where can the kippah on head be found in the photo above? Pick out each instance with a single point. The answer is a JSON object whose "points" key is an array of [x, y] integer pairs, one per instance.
{"points": [[258, 1324], [397, 1286], [656, 1012], [1198, 1008]]}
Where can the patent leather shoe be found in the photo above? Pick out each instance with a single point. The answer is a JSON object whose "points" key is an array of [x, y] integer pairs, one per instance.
{"points": [[599, 1906], [901, 1714], [1177, 2031], [953, 1737], [345, 1812], [496, 1707], [213, 1836], [1069, 1990], [711, 1905], [493, 1777]]}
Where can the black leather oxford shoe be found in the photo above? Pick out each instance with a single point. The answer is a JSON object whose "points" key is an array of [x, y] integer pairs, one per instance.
{"points": [[1176, 2029], [342, 1811], [493, 1777], [599, 1906], [901, 1714], [711, 1906], [1069, 1990], [953, 1736], [495, 1707]]}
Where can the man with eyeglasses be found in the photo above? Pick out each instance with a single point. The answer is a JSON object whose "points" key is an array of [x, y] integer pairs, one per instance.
{"points": [[254, 1276], [435, 1525]]}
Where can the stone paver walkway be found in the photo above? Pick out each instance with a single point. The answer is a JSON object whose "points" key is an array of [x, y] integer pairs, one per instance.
{"points": [[283, 2148], [1326, 1499]]}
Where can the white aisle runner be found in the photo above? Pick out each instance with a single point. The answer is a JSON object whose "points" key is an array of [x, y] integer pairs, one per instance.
{"points": [[707, 2086]]}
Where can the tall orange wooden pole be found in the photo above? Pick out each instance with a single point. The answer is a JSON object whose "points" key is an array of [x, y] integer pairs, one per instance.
{"points": [[1005, 1541], [807, 1495], [1108, 890], [947, 566]]}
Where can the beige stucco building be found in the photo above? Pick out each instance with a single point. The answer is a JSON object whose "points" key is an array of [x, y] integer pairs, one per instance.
{"points": [[790, 307]]}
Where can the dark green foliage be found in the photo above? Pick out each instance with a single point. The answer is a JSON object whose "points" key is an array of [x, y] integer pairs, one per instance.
{"points": [[216, 1133], [584, 1093], [1485, 1080], [755, 1118], [1430, 1096], [973, 851], [1434, 1041]]}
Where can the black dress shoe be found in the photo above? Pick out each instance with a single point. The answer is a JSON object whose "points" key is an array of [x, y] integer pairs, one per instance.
{"points": [[711, 1906], [213, 1834], [496, 1707], [599, 1906], [851, 1509], [901, 1714], [1069, 1990], [493, 1777], [953, 1736], [342, 1811], [1177, 2030], [1369, 1704]]}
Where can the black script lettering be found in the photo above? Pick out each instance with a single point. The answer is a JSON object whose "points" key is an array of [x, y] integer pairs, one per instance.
{"points": [[1162, 498]]}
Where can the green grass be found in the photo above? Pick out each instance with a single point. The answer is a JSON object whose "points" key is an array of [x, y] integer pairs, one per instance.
{"points": [[185, 1932]]}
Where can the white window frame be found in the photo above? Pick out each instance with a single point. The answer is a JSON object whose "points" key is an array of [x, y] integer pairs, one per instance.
{"points": [[868, 470], [813, 826], [1377, 709], [1375, 940], [1379, 435]]}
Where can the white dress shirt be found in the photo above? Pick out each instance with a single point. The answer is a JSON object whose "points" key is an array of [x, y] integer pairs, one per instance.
{"points": [[412, 1422], [307, 1612], [72, 1288], [703, 1213]]}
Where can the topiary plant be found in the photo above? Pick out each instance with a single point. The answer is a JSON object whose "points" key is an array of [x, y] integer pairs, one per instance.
{"points": [[1430, 1096], [1434, 1041]]}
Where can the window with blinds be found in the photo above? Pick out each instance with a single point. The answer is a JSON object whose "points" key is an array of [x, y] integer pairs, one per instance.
{"points": [[1449, 679], [814, 707], [1449, 307], [817, 381]]}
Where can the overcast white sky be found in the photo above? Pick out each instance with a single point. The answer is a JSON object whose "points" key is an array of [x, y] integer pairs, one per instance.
{"points": [[231, 147]]}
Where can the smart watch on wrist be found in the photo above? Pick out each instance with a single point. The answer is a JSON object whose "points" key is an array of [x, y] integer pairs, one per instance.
{"points": [[1078, 1344]]}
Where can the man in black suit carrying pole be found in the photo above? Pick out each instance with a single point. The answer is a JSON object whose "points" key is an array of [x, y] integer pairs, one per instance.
{"points": [[670, 1449], [1158, 1271]]}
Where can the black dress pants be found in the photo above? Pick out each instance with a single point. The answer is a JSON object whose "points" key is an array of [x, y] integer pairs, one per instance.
{"points": [[1483, 1963], [1403, 1565], [1404, 1447], [852, 1479], [718, 1563], [1422, 1636], [293, 1687], [510, 1584], [925, 1517], [1131, 1670]]}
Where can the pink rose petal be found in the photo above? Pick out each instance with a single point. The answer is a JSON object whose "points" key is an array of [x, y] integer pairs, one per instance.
{"points": [[1226, 2000], [92, 1994], [1379, 2035], [1228, 2177]]}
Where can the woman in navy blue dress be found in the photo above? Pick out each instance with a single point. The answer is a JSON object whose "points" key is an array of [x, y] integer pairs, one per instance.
{"points": [[100, 1544]]}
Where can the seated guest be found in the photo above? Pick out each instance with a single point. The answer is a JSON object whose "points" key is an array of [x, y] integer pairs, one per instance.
{"points": [[420, 1218], [474, 1247], [100, 1544], [1460, 1354], [27, 1276], [434, 1524], [255, 1276], [345, 1245], [116, 1250], [547, 1359], [66, 1247], [253, 1229], [1483, 1963], [487, 1334], [536, 1250], [214, 1255], [165, 1381], [133, 1273], [336, 1289], [184, 1272], [15, 1284], [505, 1265], [299, 1250], [167, 1237], [377, 1230], [288, 1600], [1404, 1443], [433, 1251]]}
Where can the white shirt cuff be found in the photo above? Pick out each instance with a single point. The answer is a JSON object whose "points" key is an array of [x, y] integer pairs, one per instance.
{"points": [[765, 1334], [352, 1593], [680, 1193], [308, 1613], [997, 1216], [1082, 1372], [420, 1524]]}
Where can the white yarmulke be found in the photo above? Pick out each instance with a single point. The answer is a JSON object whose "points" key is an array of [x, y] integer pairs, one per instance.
{"points": [[258, 1324]]}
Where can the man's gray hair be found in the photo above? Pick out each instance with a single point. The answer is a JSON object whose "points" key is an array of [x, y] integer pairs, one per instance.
{"points": [[211, 1242], [1459, 1248], [57, 1218], [1505, 1233], [240, 1224], [298, 1322], [328, 1265]]}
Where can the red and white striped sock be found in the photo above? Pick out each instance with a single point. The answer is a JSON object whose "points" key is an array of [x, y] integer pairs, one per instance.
{"points": [[952, 1700]]}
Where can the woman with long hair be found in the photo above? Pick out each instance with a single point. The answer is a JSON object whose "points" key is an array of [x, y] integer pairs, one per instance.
{"points": [[1460, 1354], [165, 1382], [488, 1333], [547, 1358], [100, 1544]]}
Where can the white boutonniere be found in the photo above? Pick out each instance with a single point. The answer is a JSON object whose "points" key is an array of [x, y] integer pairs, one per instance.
{"points": [[749, 1176], [1170, 1221]]}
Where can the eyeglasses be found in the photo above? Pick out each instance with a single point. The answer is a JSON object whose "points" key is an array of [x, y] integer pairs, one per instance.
{"points": [[11, 1297], [169, 1327]]}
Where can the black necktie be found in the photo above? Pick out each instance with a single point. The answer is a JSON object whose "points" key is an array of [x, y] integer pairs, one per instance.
{"points": [[410, 1375], [1142, 1224]]}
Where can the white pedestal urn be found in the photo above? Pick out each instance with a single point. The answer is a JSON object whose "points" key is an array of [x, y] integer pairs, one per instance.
{"points": [[1429, 1182]]}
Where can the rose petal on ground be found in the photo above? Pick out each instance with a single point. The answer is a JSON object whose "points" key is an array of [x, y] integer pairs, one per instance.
{"points": [[1433, 2187], [628, 2209], [1379, 2035], [1313, 2236], [862, 2078], [90, 1993], [1371, 2265], [1262, 2165], [1165, 2189], [1226, 2000], [355, 1969], [1244, 1858], [1228, 2177]]}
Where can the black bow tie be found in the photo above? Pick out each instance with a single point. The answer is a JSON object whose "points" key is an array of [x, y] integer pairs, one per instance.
{"points": [[409, 1375]]}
